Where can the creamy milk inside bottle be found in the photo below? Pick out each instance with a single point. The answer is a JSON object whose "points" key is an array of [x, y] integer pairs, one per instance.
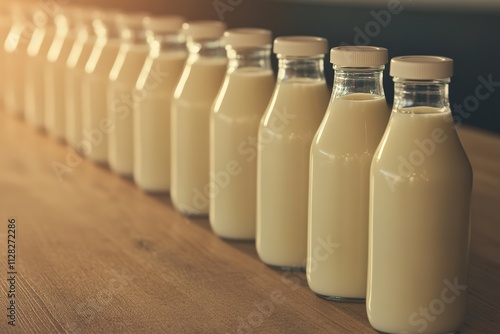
{"points": [[287, 128], [96, 125], [341, 155], [55, 69], [15, 47], [235, 118], [122, 80], [36, 60], [191, 106], [155, 86], [77, 59], [420, 192]]}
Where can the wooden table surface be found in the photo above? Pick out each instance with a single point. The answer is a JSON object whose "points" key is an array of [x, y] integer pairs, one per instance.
{"points": [[97, 255]]}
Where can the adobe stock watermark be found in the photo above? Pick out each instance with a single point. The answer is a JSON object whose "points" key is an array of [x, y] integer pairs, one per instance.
{"points": [[124, 106], [249, 149], [421, 318], [424, 148], [264, 309], [373, 28], [90, 308], [223, 6]]}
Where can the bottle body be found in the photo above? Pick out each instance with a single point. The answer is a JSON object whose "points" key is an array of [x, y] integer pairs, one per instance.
{"points": [[243, 99], [36, 60], [284, 141], [152, 115], [191, 106], [341, 155], [15, 48], [420, 184], [54, 79], [77, 60], [123, 78], [96, 125]]}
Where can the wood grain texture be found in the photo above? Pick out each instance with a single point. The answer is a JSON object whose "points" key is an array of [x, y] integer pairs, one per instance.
{"points": [[97, 255]]}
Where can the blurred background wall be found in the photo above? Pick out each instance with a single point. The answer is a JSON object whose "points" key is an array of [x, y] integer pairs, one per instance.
{"points": [[467, 31]]}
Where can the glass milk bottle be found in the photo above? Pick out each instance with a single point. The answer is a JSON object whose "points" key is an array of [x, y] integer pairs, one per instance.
{"points": [[420, 191], [285, 134], [36, 60], [235, 119], [341, 155], [122, 80], [55, 70], [15, 47], [191, 106], [5, 26], [154, 89], [77, 59], [96, 124]]}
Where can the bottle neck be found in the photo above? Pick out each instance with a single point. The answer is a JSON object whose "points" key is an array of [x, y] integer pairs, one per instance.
{"points": [[254, 58], [209, 48], [421, 93], [300, 68], [349, 80], [107, 31], [134, 36], [165, 42]]}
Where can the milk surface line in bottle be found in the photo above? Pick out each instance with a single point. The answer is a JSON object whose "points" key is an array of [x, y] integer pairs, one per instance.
{"points": [[122, 80], [285, 134], [37, 51], [191, 107], [96, 125], [420, 191], [154, 89], [77, 59], [235, 119], [341, 155], [55, 71]]}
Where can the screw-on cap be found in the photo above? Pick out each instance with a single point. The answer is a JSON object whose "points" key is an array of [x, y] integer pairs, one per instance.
{"points": [[167, 23], [300, 45], [204, 29], [421, 67], [247, 37], [358, 56]]}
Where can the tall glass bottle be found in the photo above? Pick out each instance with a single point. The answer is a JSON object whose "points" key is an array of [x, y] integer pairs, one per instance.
{"points": [[122, 80], [96, 125], [77, 59], [15, 47], [341, 155], [285, 134], [191, 106], [55, 71], [234, 121], [154, 89], [5, 27], [420, 191], [36, 61]]}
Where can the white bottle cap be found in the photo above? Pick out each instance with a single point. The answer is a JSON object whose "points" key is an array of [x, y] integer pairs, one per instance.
{"points": [[204, 29], [247, 37], [358, 56], [131, 20], [167, 23], [300, 45], [421, 67]]}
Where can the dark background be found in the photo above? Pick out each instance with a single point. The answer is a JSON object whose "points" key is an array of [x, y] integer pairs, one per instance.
{"points": [[471, 36]]}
